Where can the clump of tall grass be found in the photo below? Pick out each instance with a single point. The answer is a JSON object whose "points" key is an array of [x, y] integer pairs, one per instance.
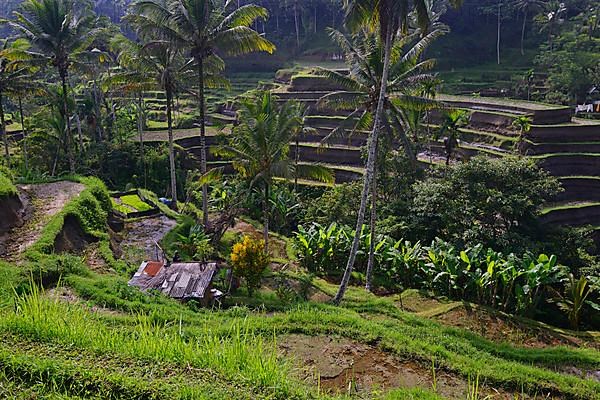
{"points": [[238, 353]]}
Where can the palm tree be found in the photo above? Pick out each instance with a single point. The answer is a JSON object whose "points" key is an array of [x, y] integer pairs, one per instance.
{"points": [[163, 63], [526, 7], [15, 78], [133, 77], [205, 28], [259, 146], [450, 130], [387, 18], [58, 29], [408, 86], [407, 81]]}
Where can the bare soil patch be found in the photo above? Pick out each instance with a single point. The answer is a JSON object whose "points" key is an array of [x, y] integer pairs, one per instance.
{"points": [[343, 366], [500, 328], [46, 200], [94, 260], [72, 238], [415, 302]]}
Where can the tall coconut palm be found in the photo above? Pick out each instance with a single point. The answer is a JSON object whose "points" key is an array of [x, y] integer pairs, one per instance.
{"points": [[409, 78], [163, 62], [58, 28], [206, 28], [15, 78], [259, 146], [407, 81], [386, 18], [133, 77], [141, 69], [551, 18]]}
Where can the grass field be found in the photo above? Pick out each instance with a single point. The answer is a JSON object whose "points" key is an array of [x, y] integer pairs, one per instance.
{"points": [[86, 334]]}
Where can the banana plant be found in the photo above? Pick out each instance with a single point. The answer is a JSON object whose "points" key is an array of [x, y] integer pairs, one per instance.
{"points": [[539, 274], [575, 298], [405, 263]]}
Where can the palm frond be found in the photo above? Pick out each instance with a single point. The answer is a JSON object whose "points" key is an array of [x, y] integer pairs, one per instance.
{"points": [[315, 172], [242, 40], [340, 79]]}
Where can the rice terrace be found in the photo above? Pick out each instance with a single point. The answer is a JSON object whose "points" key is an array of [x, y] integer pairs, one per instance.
{"points": [[300, 199]]}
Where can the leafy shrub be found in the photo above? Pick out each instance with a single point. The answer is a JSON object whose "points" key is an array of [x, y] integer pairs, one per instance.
{"points": [[284, 206], [336, 205], [323, 250], [187, 122], [250, 260], [488, 201], [196, 245]]}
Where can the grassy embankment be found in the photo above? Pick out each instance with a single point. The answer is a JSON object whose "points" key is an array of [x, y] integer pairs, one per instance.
{"points": [[111, 341]]}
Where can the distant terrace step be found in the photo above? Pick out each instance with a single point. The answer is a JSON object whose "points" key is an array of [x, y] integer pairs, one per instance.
{"points": [[565, 133], [553, 148], [574, 164], [578, 214], [579, 189]]}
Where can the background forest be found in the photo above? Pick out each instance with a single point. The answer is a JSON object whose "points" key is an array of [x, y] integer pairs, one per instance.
{"points": [[554, 45]]}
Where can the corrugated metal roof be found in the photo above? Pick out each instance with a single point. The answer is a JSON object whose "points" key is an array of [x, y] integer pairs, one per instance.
{"points": [[179, 280], [153, 267]]}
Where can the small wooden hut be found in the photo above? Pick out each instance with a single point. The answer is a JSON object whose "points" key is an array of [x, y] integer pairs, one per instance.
{"points": [[181, 281]]}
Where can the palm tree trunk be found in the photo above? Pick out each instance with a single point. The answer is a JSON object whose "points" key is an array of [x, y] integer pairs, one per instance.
{"points": [[63, 77], [523, 31], [4, 133], [296, 162], [499, 23], [80, 135], [203, 167], [371, 262], [140, 126], [370, 170], [297, 24], [266, 218], [24, 129], [99, 128], [171, 148]]}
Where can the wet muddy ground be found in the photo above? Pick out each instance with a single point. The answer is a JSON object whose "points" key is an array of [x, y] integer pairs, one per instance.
{"points": [[139, 238], [340, 365]]}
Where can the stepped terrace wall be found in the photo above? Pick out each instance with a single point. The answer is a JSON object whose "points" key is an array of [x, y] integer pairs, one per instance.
{"points": [[579, 189], [574, 215]]}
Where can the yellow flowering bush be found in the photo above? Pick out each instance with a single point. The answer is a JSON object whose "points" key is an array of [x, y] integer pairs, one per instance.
{"points": [[249, 261]]}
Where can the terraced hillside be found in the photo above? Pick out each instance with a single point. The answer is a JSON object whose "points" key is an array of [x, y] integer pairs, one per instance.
{"points": [[567, 147]]}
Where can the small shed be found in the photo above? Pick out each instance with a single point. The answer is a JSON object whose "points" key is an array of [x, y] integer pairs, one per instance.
{"points": [[182, 281]]}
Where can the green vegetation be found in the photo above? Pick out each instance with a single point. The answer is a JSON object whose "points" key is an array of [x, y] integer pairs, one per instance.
{"points": [[6, 186], [468, 291], [135, 202]]}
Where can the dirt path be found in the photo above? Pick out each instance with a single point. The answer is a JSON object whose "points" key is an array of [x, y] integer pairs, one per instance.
{"points": [[44, 201]]}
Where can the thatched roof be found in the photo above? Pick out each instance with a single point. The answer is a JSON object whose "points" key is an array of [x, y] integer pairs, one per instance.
{"points": [[178, 280]]}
